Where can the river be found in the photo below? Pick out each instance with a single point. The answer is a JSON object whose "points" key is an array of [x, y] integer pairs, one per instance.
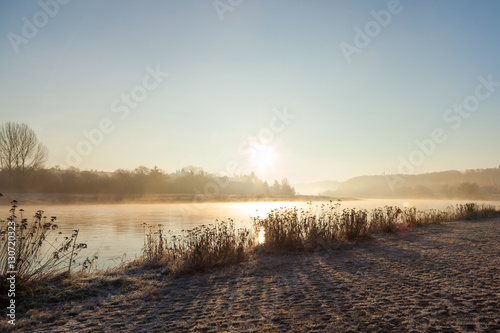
{"points": [[114, 232]]}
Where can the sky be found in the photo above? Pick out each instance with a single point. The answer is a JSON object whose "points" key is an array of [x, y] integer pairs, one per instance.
{"points": [[308, 90]]}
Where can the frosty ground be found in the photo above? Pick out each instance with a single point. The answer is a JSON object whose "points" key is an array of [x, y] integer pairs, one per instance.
{"points": [[443, 277]]}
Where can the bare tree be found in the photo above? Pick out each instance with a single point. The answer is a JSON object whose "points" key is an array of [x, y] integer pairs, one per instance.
{"points": [[20, 150]]}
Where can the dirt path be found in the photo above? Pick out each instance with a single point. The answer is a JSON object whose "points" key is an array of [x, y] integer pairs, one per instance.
{"points": [[442, 278]]}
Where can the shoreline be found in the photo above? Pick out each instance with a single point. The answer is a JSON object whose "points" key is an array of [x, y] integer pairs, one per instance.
{"points": [[437, 277], [25, 198], [74, 199]]}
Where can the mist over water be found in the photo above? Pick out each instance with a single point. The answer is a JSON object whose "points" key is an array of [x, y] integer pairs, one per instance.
{"points": [[115, 232]]}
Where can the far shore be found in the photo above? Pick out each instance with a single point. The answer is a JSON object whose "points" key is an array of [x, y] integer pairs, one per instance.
{"points": [[107, 198], [31, 198]]}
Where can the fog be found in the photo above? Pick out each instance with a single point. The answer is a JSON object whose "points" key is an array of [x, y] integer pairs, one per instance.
{"points": [[115, 232]]}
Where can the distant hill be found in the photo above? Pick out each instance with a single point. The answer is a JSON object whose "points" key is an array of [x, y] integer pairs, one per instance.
{"points": [[469, 184], [316, 188]]}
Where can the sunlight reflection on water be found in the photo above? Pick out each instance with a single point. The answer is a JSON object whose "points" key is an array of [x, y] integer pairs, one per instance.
{"points": [[262, 236], [114, 230]]}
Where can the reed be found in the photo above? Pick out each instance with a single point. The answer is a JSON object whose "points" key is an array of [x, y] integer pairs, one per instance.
{"points": [[217, 244], [214, 245], [384, 219], [25, 247], [293, 229], [470, 211]]}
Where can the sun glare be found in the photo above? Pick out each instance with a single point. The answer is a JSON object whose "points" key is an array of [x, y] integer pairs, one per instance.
{"points": [[261, 236], [263, 158]]}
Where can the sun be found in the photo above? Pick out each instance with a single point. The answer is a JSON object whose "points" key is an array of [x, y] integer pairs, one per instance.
{"points": [[263, 158]]}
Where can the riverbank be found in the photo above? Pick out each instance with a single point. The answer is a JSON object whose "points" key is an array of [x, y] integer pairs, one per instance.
{"points": [[442, 277], [72, 198]]}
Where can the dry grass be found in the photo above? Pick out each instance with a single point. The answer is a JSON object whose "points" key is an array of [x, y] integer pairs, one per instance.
{"points": [[221, 244], [441, 278], [22, 250], [384, 219], [214, 245], [295, 229]]}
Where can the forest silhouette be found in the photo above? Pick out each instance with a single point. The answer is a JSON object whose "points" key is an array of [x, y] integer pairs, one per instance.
{"points": [[141, 180]]}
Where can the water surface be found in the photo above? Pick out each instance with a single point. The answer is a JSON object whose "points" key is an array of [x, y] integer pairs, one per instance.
{"points": [[115, 232]]}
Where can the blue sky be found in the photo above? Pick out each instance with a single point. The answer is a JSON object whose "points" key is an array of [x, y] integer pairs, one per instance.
{"points": [[228, 78]]}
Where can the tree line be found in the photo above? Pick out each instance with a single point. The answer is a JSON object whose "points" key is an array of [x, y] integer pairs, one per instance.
{"points": [[141, 180], [22, 168]]}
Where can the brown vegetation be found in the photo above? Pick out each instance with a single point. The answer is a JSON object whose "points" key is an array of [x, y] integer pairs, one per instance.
{"points": [[439, 278], [206, 247]]}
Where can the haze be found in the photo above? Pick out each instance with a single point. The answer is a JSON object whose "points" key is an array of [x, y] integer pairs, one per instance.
{"points": [[323, 90]]}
